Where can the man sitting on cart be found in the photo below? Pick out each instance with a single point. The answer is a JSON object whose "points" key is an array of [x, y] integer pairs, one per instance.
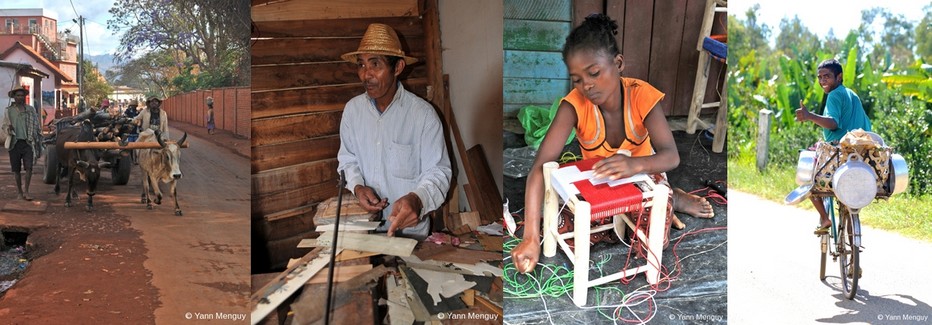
{"points": [[843, 113], [153, 117]]}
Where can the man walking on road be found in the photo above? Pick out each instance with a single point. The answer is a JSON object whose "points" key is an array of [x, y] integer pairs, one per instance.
{"points": [[21, 122]]}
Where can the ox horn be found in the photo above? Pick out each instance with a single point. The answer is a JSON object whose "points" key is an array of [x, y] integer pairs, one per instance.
{"points": [[183, 138], [158, 137]]}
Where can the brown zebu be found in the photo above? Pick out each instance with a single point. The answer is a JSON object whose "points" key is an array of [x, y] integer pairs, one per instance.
{"points": [[83, 162], [160, 165]]}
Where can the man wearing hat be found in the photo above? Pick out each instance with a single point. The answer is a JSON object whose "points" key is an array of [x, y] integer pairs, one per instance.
{"points": [[22, 125], [153, 117], [392, 147]]}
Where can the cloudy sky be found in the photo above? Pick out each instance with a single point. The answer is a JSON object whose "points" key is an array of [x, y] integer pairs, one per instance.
{"points": [[99, 40], [840, 15]]}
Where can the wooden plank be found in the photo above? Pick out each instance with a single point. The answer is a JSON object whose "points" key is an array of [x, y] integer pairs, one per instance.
{"points": [[491, 199], [407, 26], [489, 305], [534, 64], [447, 253], [353, 302], [292, 153], [665, 49], [295, 127], [309, 10], [541, 92], [688, 59], [270, 77], [300, 50], [276, 103], [491, 243], [616, 10], [349, 207], [434, 57], [340, 274], [534, 35], [263, 204], [297, 223], [294, 177], [396, 246], [458, 139], [349, 254], [637, 25], [290, 213], [538, 9], [584, 8], [350, 225], [285, 284]]}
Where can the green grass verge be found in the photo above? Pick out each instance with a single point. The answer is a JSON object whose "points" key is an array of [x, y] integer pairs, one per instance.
{"points": [[908, 215]]}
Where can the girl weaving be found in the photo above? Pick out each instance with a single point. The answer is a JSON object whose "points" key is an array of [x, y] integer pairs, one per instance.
{"points": [[609, 113]]}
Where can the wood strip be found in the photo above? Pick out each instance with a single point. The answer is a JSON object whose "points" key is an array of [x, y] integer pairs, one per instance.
{"points": [[407, 26], [584, 8], [534, 64], [485, 303], [349, 254], [311, 10], [688, 59], [294, 177], [541, 92], [350, 226], [637, 25], [461, 148], [295, 127], [434, 60], [278, 103], [285, 284], [340, 274], [263, 204], [297, 224], [308, 209], [531, 35], [302, 50], [270, 77], [447, 253], [291, 153], [665, 49], [396, 246], [538, 9], [491, 200]]}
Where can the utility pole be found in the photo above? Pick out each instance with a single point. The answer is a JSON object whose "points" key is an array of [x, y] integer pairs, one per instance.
{"points": [[80, 78]]}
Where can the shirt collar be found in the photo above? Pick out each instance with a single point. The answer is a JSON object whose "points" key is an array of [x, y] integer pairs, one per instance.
{"points": [[396, 98]]}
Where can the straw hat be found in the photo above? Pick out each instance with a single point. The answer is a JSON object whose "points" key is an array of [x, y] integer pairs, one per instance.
{"points": [[20, 88], [150, 99], [379, 39]]}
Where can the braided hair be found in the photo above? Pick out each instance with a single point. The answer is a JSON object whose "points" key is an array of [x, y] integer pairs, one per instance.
{"points": [[597, 32]]}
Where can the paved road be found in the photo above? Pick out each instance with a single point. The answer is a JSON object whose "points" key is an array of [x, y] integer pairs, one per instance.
{"points": [[773, 266]]}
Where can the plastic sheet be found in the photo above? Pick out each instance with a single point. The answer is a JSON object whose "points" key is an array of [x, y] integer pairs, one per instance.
{"points": [[699, 292]]}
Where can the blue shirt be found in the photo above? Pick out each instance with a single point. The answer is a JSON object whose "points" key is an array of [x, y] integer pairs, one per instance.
{"points": [[844, 106], [396, 152]]}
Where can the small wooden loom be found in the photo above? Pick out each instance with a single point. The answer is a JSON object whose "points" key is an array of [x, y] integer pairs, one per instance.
{"points": [[593, 199]]}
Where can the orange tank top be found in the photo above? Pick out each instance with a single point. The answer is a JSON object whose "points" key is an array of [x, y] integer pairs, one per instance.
{"points": [[639, 99]]}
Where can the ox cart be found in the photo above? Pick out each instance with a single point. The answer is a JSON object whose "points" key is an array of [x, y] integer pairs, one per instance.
{"points": [[112, 133]]}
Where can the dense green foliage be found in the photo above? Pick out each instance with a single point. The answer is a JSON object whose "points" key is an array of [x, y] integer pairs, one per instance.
{"points": [[894, 84]]}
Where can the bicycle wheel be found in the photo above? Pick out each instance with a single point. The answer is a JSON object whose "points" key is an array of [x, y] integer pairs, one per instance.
{"points": [[848, 259]]}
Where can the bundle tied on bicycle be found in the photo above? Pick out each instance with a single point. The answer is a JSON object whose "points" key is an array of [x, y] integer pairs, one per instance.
{"points": [[856, 171]]}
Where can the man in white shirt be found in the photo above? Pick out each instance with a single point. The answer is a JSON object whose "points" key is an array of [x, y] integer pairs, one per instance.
{"points": [[391, 141]]}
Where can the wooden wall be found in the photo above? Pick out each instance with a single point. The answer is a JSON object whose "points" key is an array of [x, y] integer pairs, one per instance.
{"points": [[299, 88], [231, 108], [657, 38]]}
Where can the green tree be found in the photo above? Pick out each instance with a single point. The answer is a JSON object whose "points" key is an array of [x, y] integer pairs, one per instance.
{"points": [[795, 40], [924, 35], [96, 87], [201, 36], [895, 46]]}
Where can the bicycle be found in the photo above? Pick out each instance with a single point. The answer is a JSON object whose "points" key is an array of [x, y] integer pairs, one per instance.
{"points": [[843, 242]]}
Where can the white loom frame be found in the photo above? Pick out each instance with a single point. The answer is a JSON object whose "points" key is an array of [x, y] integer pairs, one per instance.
{"points": [[581, 233]]}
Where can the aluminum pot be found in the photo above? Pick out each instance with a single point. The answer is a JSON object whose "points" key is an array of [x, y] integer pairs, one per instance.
{"points": [[899, 174], [855, 183], [805, 167]]}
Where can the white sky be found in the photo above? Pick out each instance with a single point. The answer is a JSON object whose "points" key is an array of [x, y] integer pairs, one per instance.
{"points": [[99, 40], [817, 16]]}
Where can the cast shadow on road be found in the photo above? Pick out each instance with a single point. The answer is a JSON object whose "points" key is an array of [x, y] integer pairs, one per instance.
{"points": [[875, 309]]}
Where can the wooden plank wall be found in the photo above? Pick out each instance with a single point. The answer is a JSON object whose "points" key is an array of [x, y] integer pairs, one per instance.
{"points": [[657, 38], [231, 108], [533, 72]]}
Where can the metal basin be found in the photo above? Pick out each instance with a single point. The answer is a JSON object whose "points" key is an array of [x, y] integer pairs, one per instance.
{"points": [[855, 183], [805, 167], [899, 174]]}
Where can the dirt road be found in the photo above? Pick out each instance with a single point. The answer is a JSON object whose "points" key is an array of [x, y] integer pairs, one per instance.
{"points": [[124, 264], [773, 267]]}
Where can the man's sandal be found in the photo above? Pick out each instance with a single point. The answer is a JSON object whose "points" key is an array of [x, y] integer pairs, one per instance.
{"points": [[820, 230]]}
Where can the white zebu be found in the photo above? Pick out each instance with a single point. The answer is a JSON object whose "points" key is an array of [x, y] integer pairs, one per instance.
{"points": [[159, 164]]}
